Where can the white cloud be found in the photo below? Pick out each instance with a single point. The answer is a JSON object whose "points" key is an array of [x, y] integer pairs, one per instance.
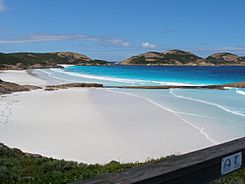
{"points": [[148, 45], [57, 37], [118, 42], [2, 6]]}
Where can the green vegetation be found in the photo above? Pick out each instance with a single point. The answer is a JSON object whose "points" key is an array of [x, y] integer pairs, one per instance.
{"points": [[101, 62], [29, 58], [175, 58], [224, 59], [179, 57], [25, 60], [183, 58], [216, 61], [18, 167], [234, 178], [139, 60]]}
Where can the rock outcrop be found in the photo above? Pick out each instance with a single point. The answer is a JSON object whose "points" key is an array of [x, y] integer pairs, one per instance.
{"points": [[73, 85], [235, 85], [220, 87], [10, 87]]}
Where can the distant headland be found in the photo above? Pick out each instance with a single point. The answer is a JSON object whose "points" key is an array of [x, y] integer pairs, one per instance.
{"points": [[28, 60]]}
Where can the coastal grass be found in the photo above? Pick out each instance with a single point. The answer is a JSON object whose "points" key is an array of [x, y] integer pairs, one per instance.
{"points": [[237, 177], [19, 167]]}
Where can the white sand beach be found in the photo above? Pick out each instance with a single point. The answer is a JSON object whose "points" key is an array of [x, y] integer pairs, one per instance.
{"points": [[21, 77], [91, 125]]}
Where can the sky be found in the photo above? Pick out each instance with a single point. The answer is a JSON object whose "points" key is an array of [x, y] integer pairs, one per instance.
{"points": [[116, 29]]}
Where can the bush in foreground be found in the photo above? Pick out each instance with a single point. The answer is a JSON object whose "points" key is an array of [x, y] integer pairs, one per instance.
{"points": [[18, 167]]}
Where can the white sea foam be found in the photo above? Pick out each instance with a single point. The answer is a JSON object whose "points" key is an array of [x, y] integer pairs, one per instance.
{"points": [[227, 87], [172, 83], [192, 114], [103, 78], [50, 75], [240, 92], [208, 103], [44, 71], [117, 79], [66, 66], [201, 130]]}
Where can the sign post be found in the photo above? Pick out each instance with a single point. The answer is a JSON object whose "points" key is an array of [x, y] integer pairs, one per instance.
{"points": [[231, 163]]}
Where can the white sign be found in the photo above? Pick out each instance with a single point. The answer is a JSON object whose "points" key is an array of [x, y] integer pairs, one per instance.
{"points": [[231, 163]]}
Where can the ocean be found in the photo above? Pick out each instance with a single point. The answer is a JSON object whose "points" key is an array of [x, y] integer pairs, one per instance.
{"points": [[217, 114], [151, 75]]}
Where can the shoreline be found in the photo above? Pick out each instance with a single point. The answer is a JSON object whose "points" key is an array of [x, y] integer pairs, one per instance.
{"points": [[103, 133], [22, 77], [106, 132], [115, 114], [173, 112], [218, 87]]}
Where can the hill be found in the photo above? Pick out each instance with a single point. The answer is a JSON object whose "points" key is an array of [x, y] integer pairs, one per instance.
{"points": [[28, 60], [225, 59], [183, 58], [25, 60]]}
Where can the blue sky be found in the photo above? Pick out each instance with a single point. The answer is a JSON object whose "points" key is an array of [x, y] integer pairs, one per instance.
{"points": [[117, 29]]}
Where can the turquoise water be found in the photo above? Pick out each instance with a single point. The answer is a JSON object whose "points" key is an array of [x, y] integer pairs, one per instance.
{"points": [[218, 114], [157, 75], [150, 75]]}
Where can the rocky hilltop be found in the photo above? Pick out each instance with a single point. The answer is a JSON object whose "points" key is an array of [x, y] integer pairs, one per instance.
{"points": [[226, 59], [171, 57], [26, 60], [183, 58], [73, 57]]}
